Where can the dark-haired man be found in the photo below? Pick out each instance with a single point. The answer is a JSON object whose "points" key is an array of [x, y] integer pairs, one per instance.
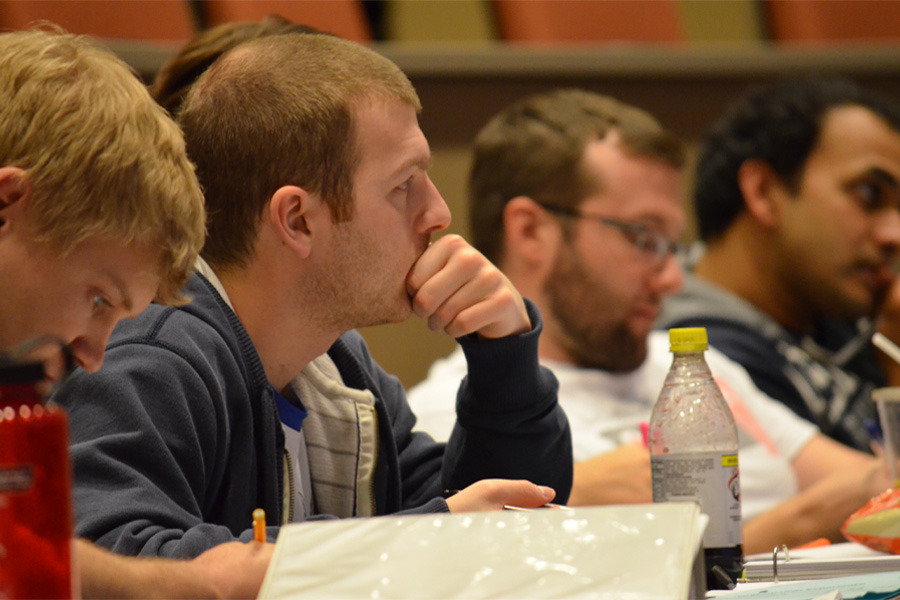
{"points": [[797, 192], [577, 197]]}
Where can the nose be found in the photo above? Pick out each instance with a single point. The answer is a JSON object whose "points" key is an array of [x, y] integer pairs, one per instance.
{"points": [[669, 277], [88, 354], [88, 349], [887, 230], [436, 215]]}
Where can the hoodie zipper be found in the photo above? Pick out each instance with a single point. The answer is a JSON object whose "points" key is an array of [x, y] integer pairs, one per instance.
{"points": [[289, 488]]}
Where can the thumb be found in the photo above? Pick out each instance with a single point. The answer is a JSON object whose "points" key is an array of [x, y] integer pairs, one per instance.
{"points": [[529, 495]]}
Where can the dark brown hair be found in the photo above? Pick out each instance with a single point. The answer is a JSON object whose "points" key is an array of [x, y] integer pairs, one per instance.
{"points": [[535, 147]]}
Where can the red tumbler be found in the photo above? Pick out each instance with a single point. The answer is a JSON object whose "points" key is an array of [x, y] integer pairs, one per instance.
{"points": [[35, 484]]}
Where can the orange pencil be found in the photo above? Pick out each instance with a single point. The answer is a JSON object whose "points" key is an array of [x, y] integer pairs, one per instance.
{"points": [[259, 525], [814, 544]]}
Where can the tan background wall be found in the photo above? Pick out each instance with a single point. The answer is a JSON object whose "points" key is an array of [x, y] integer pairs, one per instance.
{"points": [[464, 74]]}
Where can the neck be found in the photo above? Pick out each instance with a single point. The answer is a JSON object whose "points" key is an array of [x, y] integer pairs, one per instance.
{"points": [[548, 346], [273, 318], [745, 264], [530, 280]]}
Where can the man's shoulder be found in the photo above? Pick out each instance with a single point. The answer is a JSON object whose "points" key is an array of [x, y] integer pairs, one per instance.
{"points": [[734, 327], [195, 327], [724, 314], [701, 299]]}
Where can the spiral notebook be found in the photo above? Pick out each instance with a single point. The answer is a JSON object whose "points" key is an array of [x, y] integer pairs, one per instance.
{"points": [[871, 586], [836, 560]]}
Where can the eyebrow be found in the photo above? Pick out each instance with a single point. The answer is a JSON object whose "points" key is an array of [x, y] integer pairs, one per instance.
{"points": [[415, 161], [883, 176], [127, 302]]}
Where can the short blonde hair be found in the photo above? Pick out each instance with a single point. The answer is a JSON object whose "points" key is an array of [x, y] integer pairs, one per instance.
{"points": [[102, 159]]}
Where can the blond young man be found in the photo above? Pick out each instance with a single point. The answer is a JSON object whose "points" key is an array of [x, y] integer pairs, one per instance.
{"points": [[100, 213], [578, 198], [321, 217]]}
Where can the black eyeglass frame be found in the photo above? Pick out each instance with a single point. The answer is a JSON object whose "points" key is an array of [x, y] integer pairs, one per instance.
{"points": [[646, 240]]}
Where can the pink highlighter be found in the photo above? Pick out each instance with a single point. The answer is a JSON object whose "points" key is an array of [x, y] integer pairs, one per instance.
{"points": [[645, 433]]}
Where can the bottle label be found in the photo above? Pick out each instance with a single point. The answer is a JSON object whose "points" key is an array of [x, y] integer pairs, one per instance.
{"points": [[35, 505], [709, 478], [16, 479]]}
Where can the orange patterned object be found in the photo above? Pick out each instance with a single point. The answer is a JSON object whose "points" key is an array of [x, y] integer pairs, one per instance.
{"points": [[877, 524]]}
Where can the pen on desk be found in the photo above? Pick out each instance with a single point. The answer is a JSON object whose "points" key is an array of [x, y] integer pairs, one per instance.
{"points": [[645, 433], [524, 509], [259, 525], [722, 577], [876, 437]]}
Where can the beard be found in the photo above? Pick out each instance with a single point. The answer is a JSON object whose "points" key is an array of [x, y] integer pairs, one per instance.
{"points": [[589, 315], [362, 285]]}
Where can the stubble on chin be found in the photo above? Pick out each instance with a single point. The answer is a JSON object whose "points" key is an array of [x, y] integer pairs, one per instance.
{"points": [[584, 313], [610, 347]]}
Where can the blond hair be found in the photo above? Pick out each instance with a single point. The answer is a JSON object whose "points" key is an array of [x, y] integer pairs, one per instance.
{"points": [[102, 159], [279, 111]]}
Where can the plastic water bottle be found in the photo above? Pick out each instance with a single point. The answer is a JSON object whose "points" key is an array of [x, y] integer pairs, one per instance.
{"points": [[35, 483], [694, 453]]}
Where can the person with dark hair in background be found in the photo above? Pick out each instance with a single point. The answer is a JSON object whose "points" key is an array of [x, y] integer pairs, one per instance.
{"points": [[797, 192], [258, 393], [100, 213], [578, 198], [174, 78]]}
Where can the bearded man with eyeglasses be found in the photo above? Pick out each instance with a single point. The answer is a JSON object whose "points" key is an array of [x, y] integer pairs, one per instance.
{"points": [[577, 197]]}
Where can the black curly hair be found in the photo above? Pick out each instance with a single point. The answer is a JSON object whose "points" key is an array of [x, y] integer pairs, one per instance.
{"points": [[778, 125]]}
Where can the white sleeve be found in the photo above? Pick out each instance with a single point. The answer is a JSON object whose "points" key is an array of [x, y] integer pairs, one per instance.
{"points": [[434, 400], [768, 421]]}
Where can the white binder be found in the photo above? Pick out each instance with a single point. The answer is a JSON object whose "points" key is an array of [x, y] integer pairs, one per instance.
{"points": [[644, 551]]}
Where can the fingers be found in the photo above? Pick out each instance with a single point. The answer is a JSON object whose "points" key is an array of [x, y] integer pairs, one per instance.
{"points": [[458, 291], [620, 476], [494, 494]]}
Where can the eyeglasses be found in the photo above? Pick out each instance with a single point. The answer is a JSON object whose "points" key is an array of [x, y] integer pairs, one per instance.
{"points": [[652, 243]]}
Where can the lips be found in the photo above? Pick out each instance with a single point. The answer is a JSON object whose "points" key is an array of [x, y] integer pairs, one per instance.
{"points": [[876, 277], [879, 275], [647, 313]]}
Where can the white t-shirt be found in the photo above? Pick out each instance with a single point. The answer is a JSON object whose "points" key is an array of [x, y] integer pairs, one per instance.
{"points": [[605, 410]]}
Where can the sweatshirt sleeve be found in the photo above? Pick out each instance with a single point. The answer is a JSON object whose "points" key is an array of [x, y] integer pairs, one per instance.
{"points": [[509, 422], [148, 445]]}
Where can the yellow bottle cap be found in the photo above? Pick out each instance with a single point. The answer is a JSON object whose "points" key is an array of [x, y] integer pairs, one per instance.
{"points": [[688, 339]]}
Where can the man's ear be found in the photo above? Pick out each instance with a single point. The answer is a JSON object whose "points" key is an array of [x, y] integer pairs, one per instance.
{"points": [[531, 234], [15, 188], [291, 212], [763, 191]]}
